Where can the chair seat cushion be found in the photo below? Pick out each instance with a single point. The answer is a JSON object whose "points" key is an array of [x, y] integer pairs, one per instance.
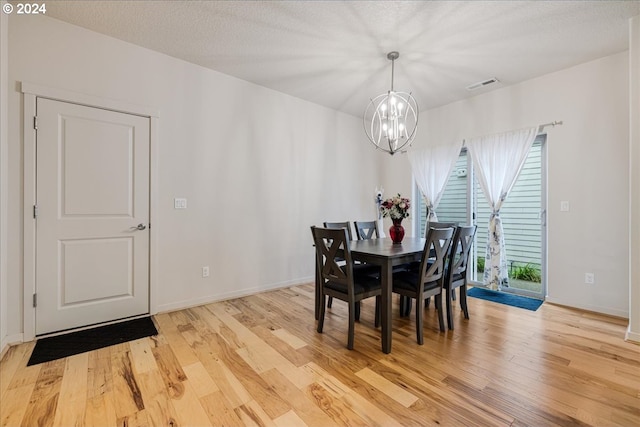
{"points": [[361, 285], [407, 280], [414, 266], [457, 276], [360, 270]]}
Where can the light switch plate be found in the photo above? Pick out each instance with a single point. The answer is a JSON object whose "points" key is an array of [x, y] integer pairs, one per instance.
{"points": [[564, 206], [179, 203]]}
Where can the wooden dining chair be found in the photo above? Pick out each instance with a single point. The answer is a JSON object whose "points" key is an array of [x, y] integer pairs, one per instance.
{"points": [[346, 225], [456, 269], [428, 281], [405, 303], [367, 230], [339, 281], [359, 268], [439, 224]]}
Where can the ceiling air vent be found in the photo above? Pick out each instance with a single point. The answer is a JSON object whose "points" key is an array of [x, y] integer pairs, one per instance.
{"points": [[482, 83]]}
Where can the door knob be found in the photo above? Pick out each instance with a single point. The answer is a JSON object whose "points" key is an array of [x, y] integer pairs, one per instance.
{"points": [[140, 226]]}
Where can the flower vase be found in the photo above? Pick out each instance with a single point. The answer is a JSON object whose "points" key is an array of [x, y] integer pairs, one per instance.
{"points": [[396, 231]]}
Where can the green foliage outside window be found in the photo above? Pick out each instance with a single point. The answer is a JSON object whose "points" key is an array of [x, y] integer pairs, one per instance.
{"points": [[528, 272]]}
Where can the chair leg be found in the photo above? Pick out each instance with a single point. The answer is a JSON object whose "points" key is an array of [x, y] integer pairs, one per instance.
{"points": [[377, 315], [453, 294], [438, 299], [463, 301], [330, 302], [427, 302], [352, 324], [357, 311], [318, 294], [321, 309], [419, 334], [405, 306], [448, 297]]}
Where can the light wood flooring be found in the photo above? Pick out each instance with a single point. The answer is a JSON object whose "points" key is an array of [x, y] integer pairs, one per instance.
{"points": [[259, 361]]}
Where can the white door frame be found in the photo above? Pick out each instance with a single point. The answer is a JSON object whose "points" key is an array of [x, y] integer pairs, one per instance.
{"points": [[30, 94]]}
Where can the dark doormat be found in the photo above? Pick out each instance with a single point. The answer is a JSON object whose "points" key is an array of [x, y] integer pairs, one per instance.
{"points": [[60, 346], [505, 298]]}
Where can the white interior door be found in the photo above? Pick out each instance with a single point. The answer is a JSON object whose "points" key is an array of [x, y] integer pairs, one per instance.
{"points": [[92, 231]]}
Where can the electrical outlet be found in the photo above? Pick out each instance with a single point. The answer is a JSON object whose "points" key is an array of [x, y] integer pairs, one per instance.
{"points": [[205, 271], [179, 203], [589, 278]]}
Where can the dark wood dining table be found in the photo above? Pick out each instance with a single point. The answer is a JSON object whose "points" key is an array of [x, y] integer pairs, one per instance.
{"points": [[386, 254]]}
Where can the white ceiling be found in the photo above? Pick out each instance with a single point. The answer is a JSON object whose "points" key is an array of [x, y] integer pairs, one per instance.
{"points": [[334, 52]]}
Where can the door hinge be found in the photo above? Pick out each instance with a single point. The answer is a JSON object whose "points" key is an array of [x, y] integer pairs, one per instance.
{"points": [[35, 122], [35, 211], [35, 300]]}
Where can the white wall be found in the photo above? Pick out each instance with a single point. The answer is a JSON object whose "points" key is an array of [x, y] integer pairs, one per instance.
{"points": [[634, 92], [587, 165], [397, 178], [4, 69], [258, 167]]}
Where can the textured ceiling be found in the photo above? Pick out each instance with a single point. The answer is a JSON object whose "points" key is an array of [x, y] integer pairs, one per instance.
{"points": [[334, 52]]}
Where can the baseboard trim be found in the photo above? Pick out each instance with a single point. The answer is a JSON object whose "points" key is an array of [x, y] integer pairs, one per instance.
{"points": [[179, 305], [8, 341], [596, 309], [631, 336]]}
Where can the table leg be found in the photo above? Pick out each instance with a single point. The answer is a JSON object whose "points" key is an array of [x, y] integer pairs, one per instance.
{"points": [[386, 277], [318, 296]]}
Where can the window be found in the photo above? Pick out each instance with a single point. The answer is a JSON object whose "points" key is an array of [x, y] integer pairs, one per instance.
{"points": [[521, 214]]}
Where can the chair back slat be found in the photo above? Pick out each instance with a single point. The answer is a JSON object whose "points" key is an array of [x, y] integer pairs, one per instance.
{"points": [[332, 248], [435, 253], [460, 249], [345, 224], [440, 224], [367, 230]]}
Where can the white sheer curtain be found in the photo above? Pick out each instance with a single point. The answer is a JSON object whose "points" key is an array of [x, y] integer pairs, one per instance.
{"points": [[497, 161], [431, 168]]}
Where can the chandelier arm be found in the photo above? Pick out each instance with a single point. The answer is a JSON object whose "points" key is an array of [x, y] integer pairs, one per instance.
{"points": [[414, 111], [376, 118], [380, 119]]}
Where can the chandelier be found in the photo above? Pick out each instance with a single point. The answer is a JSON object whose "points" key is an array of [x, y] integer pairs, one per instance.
{"points": [[391, 119]]}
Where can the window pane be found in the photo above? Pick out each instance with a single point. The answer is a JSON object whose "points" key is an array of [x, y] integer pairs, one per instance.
{"points": [[453, 204]]}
